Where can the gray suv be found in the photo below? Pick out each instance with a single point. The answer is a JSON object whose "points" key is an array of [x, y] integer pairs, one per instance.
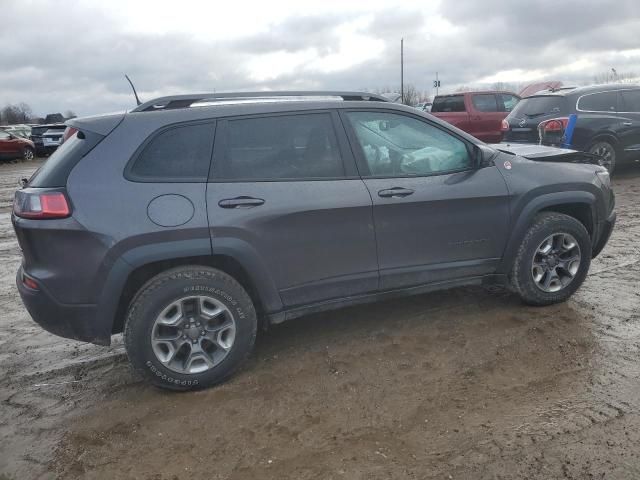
{"points": [[192, 221]]}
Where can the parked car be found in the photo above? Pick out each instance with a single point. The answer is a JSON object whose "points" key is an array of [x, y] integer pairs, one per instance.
{"points": [[21, 130], [424, 106], [608, 121], [217, 214], [13, 146], [477, 113], [47, 138]]}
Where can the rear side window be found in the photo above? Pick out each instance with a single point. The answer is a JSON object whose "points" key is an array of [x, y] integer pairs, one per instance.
{"points": [[599, 102], [454, 103], [280, 147], [180, 154], [532, 107], [630, 101], [485, 102]]}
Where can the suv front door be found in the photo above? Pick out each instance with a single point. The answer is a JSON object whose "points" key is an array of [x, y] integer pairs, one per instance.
{"points": [[285, 188], [438, 216], [629, 113]]}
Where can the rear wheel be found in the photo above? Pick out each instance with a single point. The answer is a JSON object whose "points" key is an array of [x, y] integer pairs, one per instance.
{"points": [[607, 152], [553, 259], [190, 328], [28, 154]]}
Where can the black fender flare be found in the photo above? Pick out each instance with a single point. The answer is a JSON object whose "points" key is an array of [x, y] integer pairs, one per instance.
{"points": [[530, 210], [129, 261]]}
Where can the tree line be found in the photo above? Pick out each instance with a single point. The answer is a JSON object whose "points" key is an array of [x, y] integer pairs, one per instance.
{"points": [[12, 114]]}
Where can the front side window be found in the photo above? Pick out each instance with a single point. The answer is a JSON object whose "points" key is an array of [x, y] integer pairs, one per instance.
{"points": [[485, 102], [178, 154], [631, 101], [4, 135], [398, 145], [280, 147], [599, 102]]}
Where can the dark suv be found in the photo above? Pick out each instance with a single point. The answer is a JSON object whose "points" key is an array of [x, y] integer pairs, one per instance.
{"points": [[607, 121], [193, 220]]}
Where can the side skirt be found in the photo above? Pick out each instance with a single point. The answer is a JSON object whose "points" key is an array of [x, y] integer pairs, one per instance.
{"points": [[334, 304]]}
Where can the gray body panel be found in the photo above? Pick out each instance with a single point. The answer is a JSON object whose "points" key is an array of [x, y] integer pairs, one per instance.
{"points": [[312, 244]]}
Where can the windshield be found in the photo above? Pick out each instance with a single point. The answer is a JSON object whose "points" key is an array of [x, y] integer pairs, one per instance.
{"points": [[532, 107]]}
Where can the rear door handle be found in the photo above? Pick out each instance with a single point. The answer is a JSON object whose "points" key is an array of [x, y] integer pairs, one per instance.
{"points": [[395, 192], [241, 202], [627, 124]]}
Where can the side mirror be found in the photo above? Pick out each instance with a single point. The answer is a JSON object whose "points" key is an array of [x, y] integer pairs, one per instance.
{"points": [[11, 136], [484, 156]]}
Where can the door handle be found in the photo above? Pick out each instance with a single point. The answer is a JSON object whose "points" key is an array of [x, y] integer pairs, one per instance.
{"points": [[627, 124], [395, 192], [240, 202]]}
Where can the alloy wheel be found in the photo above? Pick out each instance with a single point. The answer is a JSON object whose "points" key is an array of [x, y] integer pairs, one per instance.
{"points": [[193, 334], [555, 263]]}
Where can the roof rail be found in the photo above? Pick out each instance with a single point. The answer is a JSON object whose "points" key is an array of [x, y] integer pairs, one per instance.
{"points": [[206, 99]]}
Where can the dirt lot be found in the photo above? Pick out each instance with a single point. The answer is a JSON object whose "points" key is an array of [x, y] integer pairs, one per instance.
{"points": [[466, 384]]}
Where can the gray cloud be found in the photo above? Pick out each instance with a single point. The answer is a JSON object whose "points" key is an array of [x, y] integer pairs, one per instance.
{"points": [[73, 58]]}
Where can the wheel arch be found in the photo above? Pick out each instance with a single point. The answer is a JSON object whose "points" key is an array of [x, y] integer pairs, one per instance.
{"points": [[579, 205], [137, 267]]}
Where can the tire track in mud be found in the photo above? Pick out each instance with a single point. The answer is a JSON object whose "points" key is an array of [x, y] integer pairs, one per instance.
{"points": [[463, 383]]}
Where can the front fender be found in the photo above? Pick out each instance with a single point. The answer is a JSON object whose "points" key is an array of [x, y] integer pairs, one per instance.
{"points": [[534, 206]]}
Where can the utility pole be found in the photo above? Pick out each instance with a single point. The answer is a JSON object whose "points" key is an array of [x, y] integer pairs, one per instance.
{"points": [[437, 84], [402, 70]]}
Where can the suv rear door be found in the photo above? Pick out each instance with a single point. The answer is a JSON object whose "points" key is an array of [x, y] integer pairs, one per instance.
{"points": [[485, 117], [284, 188], [438, 215]]}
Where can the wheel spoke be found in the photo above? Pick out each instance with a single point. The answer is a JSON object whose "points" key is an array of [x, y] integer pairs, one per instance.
{"points": [[171, 315]]}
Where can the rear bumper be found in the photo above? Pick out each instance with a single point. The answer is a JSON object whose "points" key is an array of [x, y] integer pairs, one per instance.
{"points": [[76, 321], [604, 234]]}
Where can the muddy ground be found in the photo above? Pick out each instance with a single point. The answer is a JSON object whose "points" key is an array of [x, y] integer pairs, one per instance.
{"points": [[466, 384]]}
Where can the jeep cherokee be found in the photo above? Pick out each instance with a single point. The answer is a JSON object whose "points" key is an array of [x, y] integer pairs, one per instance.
{"points": [[192, 220]]}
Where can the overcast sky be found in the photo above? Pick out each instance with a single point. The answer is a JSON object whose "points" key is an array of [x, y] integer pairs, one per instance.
{"points": [[66, 55]]}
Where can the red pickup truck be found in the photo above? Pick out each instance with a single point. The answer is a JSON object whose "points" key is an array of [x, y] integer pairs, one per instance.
{"points": [[477, 113]]}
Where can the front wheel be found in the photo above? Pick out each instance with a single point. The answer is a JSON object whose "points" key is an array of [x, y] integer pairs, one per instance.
{"points": [[553, 259], [190, 328], [28, 154]]}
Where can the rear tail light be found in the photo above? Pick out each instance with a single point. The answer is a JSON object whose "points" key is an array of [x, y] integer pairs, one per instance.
{"points": [[41, 205], [68, 133], [555, 125], [504, 127], [29, 282]]}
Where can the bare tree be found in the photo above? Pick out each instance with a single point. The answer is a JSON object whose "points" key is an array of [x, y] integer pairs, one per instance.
{"points": [[613, 76], [20, 113], [69, 114], [411, 95]]}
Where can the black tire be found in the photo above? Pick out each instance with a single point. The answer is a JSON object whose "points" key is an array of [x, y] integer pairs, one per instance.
{"points": [[28, 154], [171, 286], [608, 151], [545, 225]]}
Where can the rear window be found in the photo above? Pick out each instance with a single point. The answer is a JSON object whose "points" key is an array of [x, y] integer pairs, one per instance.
{"points": [[538, 106], [599, 102], [55, 171], [180, 153], [453, 103]]}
